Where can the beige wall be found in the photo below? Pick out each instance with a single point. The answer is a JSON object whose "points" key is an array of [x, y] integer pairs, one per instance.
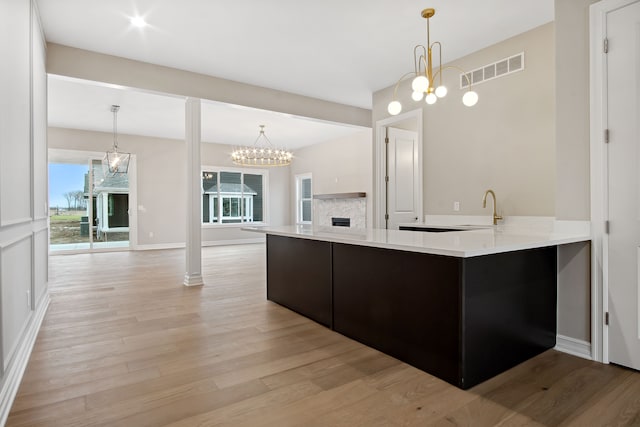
{"points": [[574, 291], [83, 64], [572, 154], [161, 184], [572, 106], [505, 142], [342, 165], [527, 138]]}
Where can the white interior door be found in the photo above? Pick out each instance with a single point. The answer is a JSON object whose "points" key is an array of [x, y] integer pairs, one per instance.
{"points": [[623, 112], [403, 187]]}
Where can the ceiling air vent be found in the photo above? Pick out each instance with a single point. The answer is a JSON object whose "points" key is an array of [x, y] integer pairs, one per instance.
{"points": [[499, 68]]}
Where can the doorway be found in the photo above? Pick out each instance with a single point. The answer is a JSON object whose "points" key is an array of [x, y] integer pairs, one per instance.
{"points": [[398, 175]]}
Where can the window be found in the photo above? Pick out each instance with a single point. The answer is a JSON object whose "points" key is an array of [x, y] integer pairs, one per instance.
{"points": [[303, 199], [233, 197], [118, 210]]}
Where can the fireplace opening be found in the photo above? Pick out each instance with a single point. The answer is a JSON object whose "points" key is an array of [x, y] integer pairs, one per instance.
{"points": [[341, 222]]}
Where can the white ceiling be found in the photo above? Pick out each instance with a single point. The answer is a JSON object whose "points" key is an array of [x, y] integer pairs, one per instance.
{"points": [[337, 50]]}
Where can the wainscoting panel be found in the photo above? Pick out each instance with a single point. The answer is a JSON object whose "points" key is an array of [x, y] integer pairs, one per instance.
{"points": [[16, 279], [40, 264]]}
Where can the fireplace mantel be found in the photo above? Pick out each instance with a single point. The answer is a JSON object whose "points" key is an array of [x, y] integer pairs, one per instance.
{"points": [[340, 196]]}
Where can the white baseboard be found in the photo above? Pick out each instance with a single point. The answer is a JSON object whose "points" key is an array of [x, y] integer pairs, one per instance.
{"points": [[573, 346], [204, 244], [17, 366], [234, 242], [158, 246]]}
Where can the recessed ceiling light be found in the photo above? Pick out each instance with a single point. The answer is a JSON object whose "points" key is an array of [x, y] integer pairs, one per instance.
{"points": [[138, 21]]}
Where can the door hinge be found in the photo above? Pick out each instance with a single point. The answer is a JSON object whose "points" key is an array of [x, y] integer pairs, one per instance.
{"points": [[386, 178], [386, 140], [606, 226], [386, 217], [605, 45], [606, 318], [606, 136]]}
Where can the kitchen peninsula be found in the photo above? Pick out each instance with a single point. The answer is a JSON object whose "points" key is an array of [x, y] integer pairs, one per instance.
{"points": [[461, 305]]}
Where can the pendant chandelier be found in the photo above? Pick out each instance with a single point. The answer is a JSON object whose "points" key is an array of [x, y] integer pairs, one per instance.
{"points": [[424, 79], [114, 162], [261, 153]]}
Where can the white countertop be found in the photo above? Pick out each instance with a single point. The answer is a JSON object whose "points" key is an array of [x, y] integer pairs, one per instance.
{"points": [[467, 243]]}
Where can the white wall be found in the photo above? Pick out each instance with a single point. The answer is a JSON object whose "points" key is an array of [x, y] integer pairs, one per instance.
{"points": [[161, 180], [23, 191], [342, 165]]}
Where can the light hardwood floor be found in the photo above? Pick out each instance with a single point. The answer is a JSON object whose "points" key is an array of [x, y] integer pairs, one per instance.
{"points": [[125, 344]]}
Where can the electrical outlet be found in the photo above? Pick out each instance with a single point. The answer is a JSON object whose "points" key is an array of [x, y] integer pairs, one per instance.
{"points": [[456, 206], [29, 299], [151, 234]]}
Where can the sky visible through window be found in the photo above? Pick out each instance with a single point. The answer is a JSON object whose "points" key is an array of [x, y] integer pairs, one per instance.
{"points": [[63, 178]]}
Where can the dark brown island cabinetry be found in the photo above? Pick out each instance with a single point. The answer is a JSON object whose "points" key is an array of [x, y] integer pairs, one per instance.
{"points": [[299, 276], [463, 320]]}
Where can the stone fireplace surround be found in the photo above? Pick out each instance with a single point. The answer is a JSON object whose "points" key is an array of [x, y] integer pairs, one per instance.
{"points": [[340, 205]]}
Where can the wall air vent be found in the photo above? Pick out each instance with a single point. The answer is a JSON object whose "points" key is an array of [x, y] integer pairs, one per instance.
{"points": [[500, 68]]}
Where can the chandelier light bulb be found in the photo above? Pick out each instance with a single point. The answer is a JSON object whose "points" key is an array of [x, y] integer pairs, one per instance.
{"points": [[470, 98], [394, 108], [420, 83], [431, 98], [417, 96], [441, 91]]}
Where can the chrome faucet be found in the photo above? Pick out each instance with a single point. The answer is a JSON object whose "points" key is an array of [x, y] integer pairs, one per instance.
{"points": [[496, 217]]}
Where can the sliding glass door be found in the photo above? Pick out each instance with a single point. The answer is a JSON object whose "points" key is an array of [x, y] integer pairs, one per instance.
{"points": [[88, 210], [69, 227]]}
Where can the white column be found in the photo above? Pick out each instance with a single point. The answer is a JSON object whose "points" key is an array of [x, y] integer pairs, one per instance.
{"points": [[193, 275]]}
